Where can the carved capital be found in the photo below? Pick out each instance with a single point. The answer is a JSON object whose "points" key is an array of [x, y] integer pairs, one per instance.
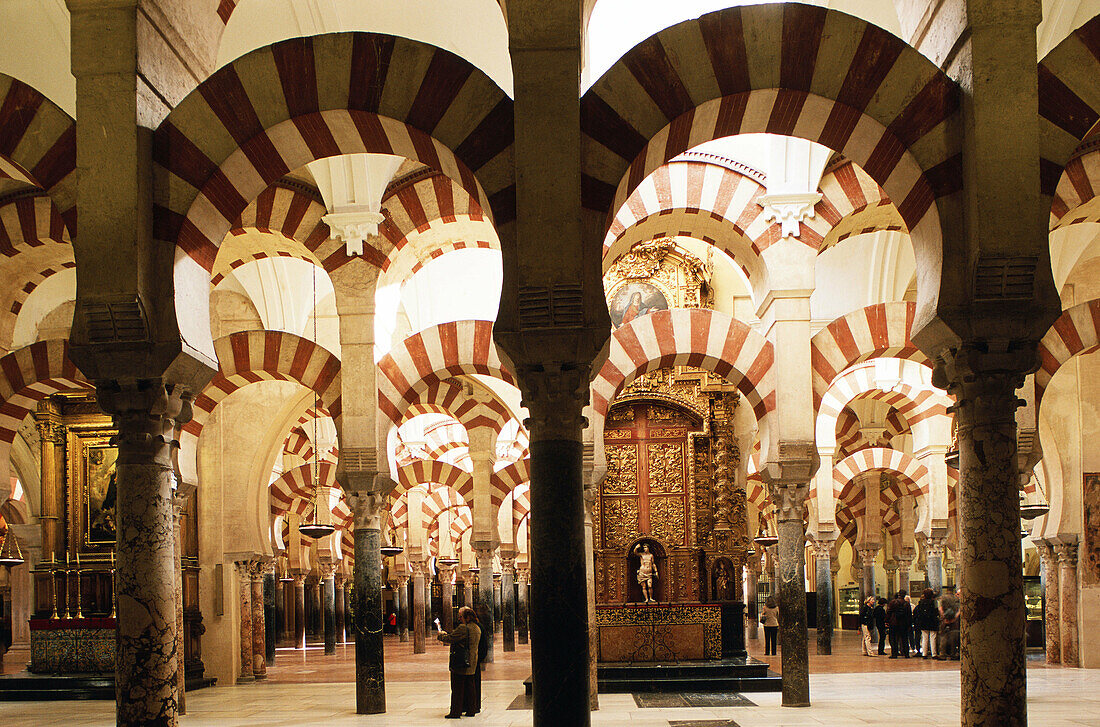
{"points": [[984, 382], [555, 395], [1067, 554], [366, 509], [244, 572], [1048, 558], [51, 431], [933, 547], [327, 568], [789, 501], [868, 556], [299, 580], [823, 549], [788, 210], [146, 413]]}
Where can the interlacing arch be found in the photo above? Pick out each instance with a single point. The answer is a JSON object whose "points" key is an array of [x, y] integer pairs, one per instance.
{"points": [[450, 398], [1077, 331], [850, 437], [853, 204], [29, 375], [688, 337], [294, 492], [227, 141], [877, 459], [423, 471], [506, 479], [888, 109]]}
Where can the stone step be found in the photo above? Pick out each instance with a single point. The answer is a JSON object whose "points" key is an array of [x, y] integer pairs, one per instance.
{"points": [[27, 687]]}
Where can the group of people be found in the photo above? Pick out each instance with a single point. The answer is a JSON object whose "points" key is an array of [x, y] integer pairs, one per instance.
{"points": [[929, 630], [469, 647]]}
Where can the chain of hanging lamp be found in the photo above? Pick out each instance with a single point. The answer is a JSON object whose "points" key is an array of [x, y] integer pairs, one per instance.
{"points": [[316, 529]]}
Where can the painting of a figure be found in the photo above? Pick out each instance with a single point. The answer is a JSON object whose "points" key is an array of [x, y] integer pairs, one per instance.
{"points": [[100, 503], [1091, 565], [634, 300]]}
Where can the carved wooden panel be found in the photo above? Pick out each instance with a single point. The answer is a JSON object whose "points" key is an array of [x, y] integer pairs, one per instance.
{"points": [[666, 467], [622, 469]]}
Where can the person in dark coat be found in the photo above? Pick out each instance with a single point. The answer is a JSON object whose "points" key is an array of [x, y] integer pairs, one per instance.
{"points": [[464, 640], [899, 618], [866, 621], [482, 616], [926, 617], [949, 626], [880, 624]]}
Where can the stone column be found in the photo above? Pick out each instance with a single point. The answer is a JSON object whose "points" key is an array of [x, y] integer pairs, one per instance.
{"points": [[867, 558], [992, 671], [418, 606], [338, 598], [146, 666], [269, 613], [179, 501], [446, 595], [51, 437], [259, 630], [498, 609], [1052, 622], [933, 551], [590, 491], [905, 562], [485, 595], [508, 602], [1067, 598], [328, 605], [244, 577], [370, 676], [316, 610], [468, 589], [299, 611], [822, 558], [429, 607], [281, 613], [750, 597], [522, 574], [402, 593], [891, 568], [790, 501]]}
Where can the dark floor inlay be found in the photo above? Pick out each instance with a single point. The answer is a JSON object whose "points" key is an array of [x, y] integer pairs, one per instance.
{"points": [[523, 701], [703, 723], [692, 699]]}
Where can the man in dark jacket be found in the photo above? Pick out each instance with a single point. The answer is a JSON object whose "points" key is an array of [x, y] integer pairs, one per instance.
{"points": [[463, 663], [880, 624], [899, 617], [926, 617], [866, 621]]}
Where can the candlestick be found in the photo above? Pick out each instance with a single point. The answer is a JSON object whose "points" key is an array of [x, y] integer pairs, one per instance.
{"points": [[114, 590], [79, 613], [66, 577], [53, 585]]}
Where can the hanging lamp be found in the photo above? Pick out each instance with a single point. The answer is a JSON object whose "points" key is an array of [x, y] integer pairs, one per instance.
{"points": [[10, 554], [1030, 510], [764, 538], [316, 529]]}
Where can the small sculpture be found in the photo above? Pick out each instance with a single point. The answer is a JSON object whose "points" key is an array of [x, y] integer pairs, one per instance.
{"points": [[647, 571]]}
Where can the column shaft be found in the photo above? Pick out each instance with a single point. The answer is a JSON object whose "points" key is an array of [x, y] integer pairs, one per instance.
{"points": [[508, 606], [269, 616], [750, 606], [868, 555], [245, 600], [1067, 608], [299, 612], [338, 598], [521, 609], [418, 609], [485, 598], [934, 567], [328, 596], [259, 629], [1051, 597], [401, 595], [370, 672], [792, 609], [824, 576], [446, 604]]}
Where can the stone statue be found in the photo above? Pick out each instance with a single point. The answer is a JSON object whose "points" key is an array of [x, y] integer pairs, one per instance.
{"points": [[722, 582], [647, 571]]}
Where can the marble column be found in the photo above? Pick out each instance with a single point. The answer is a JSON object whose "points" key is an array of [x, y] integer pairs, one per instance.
{"points": [[179, 502], [822, 559], [992, 670], [280, 611], [146, 414], [288, 607], [446, 595], [299, 611], [1067, 601], [905, 563], [338, 598], [328, 606], [348, 613], [867, 556], [933, 551], [316, 610], [269, 614], [370, 675], [891, 584], [401, 594], [508, 603], [468, 589], [418, 607], [1052, 622], [750, 596], [485, 596], [244, 577], [259, 629], [521, 605], [429, 607], [790, 501]]}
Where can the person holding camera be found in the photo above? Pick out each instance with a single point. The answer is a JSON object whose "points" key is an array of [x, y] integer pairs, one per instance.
{"points": [[464, 640]]}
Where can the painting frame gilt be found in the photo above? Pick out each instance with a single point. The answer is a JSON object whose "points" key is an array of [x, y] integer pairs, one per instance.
{"points": [[91, 476]]}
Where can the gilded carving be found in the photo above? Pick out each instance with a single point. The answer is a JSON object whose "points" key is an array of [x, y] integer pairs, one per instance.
{"points": [[667, 433], [667, 518], [621, 414], [618, 434], [660, 413], [620, 522], [666, 467], [622, 469]]}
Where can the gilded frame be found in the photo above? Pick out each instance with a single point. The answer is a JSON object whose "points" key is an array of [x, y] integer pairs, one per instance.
{"points": [[89, 472]]}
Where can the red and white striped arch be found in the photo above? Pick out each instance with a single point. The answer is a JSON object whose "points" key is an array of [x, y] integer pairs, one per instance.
{"points": [[431, 356], [853, 204], [32, 281], [510, 478], [850, 438], [33, 221], [688, 337], [1077, 331], [880, 330], [878, 459], [293, 492], [424, 472], [877, 101], [449, 397], [1075, 196], [38, 145]]}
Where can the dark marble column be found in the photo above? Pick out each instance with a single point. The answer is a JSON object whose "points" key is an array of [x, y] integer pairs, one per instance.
{"points": [[179, 501], [498, 608], [259, 630], [992, 670], [370, 672], [867, 557], [1052, 622], [348, 613], [1067, 595], [316, 609], [401, 595], [429, 607], [933, 551], [145, 414], [269, 614], [790, 502], [750, 590], [521, 605], [244, 578], [825, 613], [485, 595], [338, 597], [328, 601], [288, 607], [418, 607], [281, 614], [508, 603], [447, 593], [299, 611]]}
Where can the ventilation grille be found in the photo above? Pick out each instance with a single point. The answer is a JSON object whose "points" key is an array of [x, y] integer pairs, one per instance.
{"points": [[115, 321], [1005, 278], [551, 307]]}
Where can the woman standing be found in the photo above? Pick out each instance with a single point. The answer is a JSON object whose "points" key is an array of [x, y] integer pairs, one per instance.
{"points": [[770, 618], [866, 619], [880, 625], [464, 640], [927, 618]]}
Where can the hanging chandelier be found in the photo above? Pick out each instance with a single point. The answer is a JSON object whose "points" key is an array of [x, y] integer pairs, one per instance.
{"points": [[1029, 510], [10, 554], [764, 538], [319, 528]]}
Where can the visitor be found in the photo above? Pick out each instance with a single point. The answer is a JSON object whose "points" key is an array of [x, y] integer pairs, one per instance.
{"points": [[914, 632], [866, 621], [482, 616], [462, 664], [949, 626], [880, 624], [770, 618], [899, 618], [391, 623], [926, 616]]}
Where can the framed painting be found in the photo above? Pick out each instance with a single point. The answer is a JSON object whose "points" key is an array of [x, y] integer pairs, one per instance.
{"points": [[91, 473], [633, 300]]}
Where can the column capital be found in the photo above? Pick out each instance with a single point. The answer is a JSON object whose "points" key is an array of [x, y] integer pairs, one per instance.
{"points": [[1067, 554], [299, 580], [418, 567], [523, 575], [327, 568], [366, 509], [403, 581], [555, 396], [259, 567], [868, 555], [789, 500], [823, 548], [146, 413], [933, 546], [244, 570]]}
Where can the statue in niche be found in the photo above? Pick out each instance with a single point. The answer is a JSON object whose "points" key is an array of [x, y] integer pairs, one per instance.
{"points": [[647, 571], [722, 582]]}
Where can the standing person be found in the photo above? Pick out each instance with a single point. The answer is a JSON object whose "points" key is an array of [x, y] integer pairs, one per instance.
{"points": [[770, 618], [647, 571], [482, 616], [866, 620], [927, 618], [880, 624], [949, 626], [914, 632], [464, 640], [899, 619]]}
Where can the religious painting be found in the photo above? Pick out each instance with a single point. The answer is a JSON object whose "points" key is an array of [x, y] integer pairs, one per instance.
{"points": [[1091, 497], [634, 300], [92, 478]]}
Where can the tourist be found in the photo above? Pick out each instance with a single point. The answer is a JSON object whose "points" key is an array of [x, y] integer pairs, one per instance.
{"points": [[880, 624], [914, 632], [770, 618], [464, 640], [926, 616], [866, 621], [899, 617], [949, 626], [482, 616]]}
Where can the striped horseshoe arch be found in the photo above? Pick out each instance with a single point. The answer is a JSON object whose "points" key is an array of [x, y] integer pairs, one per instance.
{"points": [[879, 102], [38, 144], [1077, 331], [688, 337], [326, 95], [448, 397], [880, 330], [431, 356], [424, 471], [850, 438], [904, 466], [293, 492], [1074, 197], [33, 221], [853, 204]]}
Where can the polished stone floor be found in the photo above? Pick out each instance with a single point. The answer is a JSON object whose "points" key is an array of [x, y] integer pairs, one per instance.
{"points": [[312, 689]]}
